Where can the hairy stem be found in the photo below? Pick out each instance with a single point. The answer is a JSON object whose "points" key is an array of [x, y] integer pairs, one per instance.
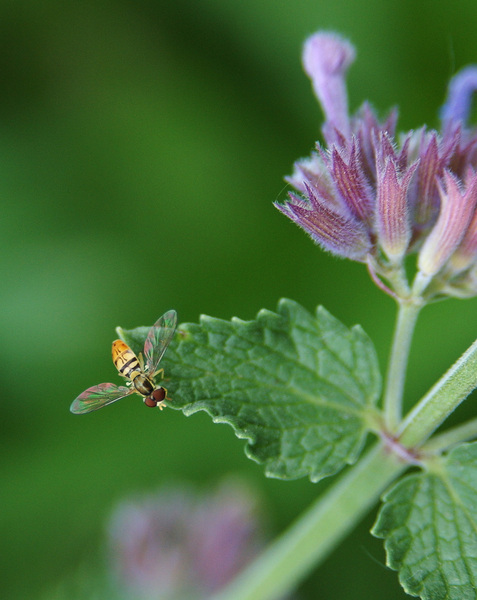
{"points": [[406, 320], [452, 437], [311, 538], [442, 399]]}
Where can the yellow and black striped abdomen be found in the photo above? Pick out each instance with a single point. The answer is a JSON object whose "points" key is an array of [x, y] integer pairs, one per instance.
{"points": [[125, 361]]}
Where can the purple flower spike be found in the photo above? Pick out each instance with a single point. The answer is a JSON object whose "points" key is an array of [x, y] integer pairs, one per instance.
{"points": [[326, 58], [376, 197], [462, 86], [456, 212]]}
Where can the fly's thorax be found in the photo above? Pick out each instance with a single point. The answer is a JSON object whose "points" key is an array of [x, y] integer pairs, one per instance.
{"points": [[143, 384]]}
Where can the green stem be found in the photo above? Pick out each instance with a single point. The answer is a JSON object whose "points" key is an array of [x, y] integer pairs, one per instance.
{"points": [[311, 538], [442, 399], [406, 320], [452, 437]]}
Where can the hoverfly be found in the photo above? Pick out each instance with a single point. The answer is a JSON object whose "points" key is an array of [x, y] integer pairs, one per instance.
{"points": [[141, 377]]}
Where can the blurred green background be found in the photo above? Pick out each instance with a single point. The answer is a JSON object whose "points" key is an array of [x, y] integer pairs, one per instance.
{"points": [[141, 146]]}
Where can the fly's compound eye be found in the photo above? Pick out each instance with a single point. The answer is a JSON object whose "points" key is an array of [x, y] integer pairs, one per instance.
{"points": [[154, 399], [159, 394], [150, 402]]}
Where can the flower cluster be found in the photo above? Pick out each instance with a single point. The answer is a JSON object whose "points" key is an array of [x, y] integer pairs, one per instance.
{"points": [[178, 543], [375, 197]]}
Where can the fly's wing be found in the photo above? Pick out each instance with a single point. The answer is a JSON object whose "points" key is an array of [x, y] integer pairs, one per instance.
{"points": [[158, 339], [98, 396]]}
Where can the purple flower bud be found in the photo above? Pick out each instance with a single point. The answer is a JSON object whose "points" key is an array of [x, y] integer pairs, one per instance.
{"points": [[313, 173], [466, 254], [326, 58], [457, 108], [335, 231], [393, 223], [430, 170], [456, 212], [351, 183], [367, 129]]}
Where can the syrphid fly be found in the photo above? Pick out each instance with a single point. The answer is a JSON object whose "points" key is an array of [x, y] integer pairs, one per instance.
{"points": [[141, 376]]}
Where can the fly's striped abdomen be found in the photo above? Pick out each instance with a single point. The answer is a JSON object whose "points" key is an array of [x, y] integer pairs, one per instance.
{"points": [[125, 361]]}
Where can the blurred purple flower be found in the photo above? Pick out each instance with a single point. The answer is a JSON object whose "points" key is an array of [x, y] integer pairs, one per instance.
{"points": [[177, 543], [375, 197]]}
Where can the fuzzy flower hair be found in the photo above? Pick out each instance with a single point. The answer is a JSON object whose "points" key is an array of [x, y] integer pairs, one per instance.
{"points": [[375, 197]]}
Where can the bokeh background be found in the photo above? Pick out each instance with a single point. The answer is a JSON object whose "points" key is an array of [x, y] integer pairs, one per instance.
{"points": [[141, 146]]}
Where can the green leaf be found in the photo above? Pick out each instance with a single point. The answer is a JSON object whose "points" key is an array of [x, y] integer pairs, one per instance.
{"points": [[299, 388], [429, 522]]}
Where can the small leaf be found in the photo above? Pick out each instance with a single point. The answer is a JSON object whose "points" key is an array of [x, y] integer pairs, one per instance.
{"points": [[429, 522], [297, 387]]}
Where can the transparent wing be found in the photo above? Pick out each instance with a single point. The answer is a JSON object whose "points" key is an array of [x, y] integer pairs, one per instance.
{"points": [[158, 339], [98, 396]]}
